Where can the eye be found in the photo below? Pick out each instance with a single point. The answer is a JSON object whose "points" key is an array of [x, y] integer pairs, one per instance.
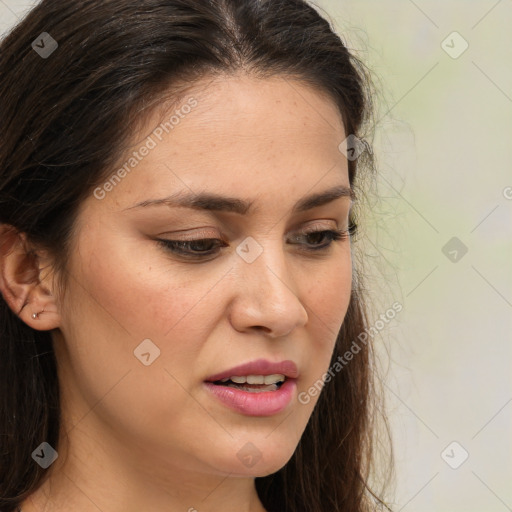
{"points": [[198, 248], [202, 248], [315, 236]]}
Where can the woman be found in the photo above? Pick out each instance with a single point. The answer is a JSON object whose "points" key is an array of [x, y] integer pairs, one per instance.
{"points": [[176, 191]]}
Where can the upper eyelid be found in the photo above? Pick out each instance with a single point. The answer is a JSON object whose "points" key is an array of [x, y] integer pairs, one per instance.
{"points": [[202, 233]]}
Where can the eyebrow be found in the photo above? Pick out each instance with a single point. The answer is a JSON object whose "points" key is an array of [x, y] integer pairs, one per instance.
{"points": [[215, 202]]}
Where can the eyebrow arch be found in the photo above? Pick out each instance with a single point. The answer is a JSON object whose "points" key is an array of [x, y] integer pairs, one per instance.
{"points": [[215, 202]]}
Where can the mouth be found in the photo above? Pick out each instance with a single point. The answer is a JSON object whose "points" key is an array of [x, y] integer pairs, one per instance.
{"points": [[258, 372], [253, 383], [258, 388]]}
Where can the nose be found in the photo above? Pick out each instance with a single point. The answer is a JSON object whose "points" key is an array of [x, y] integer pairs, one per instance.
{"points": [[267, 295]]}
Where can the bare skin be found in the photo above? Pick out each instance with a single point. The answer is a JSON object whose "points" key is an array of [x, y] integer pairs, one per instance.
{"points": [[139, 437]]}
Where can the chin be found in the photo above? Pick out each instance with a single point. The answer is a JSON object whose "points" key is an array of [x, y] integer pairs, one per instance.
{"points": [[251, 462], [270, 469]]}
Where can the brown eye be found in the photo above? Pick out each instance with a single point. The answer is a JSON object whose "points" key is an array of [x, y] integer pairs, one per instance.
{"points": [[316, 240], [193, 248], [317, 236]]}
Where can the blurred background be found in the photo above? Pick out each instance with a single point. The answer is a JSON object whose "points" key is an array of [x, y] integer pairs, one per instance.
{"points": [[438, 239]]}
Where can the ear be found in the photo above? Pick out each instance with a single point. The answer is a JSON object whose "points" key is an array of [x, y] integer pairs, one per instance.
{"points": [[24, 285]]}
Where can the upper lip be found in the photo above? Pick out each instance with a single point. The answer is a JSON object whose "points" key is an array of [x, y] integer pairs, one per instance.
{"points": [[259, 367]]}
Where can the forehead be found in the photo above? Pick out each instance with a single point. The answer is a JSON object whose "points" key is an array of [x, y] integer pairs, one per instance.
{"points": [[241, 134], [247, 111]]}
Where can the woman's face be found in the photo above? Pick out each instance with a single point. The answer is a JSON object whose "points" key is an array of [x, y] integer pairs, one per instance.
{"points": [[144, 327]]}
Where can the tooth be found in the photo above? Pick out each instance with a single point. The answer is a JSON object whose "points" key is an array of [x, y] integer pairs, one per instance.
{"points": [[271, 387], [273, 379], [255, 379]]}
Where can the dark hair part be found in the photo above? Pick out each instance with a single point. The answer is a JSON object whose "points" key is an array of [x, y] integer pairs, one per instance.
{"points": [[66, 121]]}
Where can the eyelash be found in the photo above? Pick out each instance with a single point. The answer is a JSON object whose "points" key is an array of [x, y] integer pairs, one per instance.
{"points": [[176, 246]]}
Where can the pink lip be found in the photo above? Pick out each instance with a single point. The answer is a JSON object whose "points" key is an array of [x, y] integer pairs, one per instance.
{"points": [[263, 403], [259, 367]]}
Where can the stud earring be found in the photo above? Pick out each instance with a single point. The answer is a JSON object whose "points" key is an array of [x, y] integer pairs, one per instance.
{"points": [[36, 315]]}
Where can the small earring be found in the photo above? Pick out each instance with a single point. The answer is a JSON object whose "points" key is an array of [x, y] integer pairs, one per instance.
{"points": [[36, 315]]}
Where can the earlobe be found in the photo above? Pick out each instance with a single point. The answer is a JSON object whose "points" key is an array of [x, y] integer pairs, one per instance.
{"points": [[20, 282]]}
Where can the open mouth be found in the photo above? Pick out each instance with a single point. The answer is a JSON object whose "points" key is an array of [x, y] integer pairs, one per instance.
{"points": [[254, 394], [253, 383]]}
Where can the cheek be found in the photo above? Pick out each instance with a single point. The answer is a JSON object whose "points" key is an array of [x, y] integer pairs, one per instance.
{"points": [[328, 298], [117, 302], [120, 300], [143, 296]]}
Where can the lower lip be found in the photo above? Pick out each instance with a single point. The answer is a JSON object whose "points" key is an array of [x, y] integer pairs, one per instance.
{"points": [[262, 403]]}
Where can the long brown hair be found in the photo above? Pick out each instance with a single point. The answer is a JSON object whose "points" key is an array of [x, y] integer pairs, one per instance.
{"points": [[66, 119]]}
